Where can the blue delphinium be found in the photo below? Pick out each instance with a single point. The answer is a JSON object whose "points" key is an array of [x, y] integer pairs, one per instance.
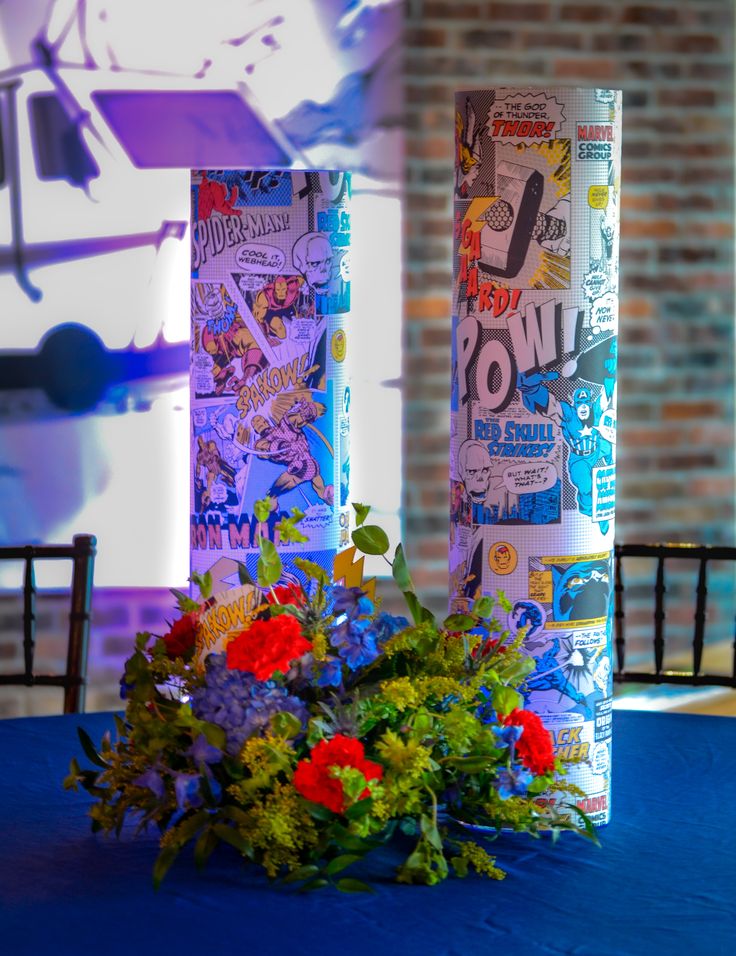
{"points": [[350, 601], [240, 703], [514, 783]]}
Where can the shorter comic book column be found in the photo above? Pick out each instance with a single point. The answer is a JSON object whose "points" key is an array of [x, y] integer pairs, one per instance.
{"points": [[533, 408], [270, 395]]}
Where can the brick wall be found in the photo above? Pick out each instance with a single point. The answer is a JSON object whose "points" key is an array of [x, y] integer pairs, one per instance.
{"points": [[674, 61], [117, 615]]}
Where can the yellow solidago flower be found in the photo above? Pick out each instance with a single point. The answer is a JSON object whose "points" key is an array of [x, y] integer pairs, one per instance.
{"points": [[401, 692], [481, 861], [403, 756], [319, 646], [281, 828]]}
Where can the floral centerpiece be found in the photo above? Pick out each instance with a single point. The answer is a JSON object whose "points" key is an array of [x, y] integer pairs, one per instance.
{"points": [[325, 728]]}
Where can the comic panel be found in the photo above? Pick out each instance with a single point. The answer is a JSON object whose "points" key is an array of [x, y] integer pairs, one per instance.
{"points": [[512, 188], [509, 472], [574, 591]]}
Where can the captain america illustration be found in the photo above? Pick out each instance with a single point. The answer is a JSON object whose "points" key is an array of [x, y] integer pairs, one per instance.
{"points": [[578, 421]]}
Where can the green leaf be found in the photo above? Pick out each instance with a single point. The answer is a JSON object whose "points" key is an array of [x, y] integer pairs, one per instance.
{"points": [[361, 512], [312, 570], [183, 601], [318, 812], [262, 509], [341, 863], [400, 570], [419, 614], [89, 749], [206, 843], [506, 699], [204, 583], [163, 862], [269, 563], [359, 809], [371, 539], [301, 873], [589, 830], [314, 885], [347, 840], [72, 779], [483, 607], [189, 828], [459, 622], [348, 885], [285, 725], [504, 602], [244, 575], [234, 837]]}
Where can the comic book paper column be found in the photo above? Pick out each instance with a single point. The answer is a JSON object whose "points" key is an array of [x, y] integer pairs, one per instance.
{"points": [[533, 445], [270, 399]]}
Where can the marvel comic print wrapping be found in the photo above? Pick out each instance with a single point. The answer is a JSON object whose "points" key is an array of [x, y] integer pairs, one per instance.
{"points": [[270, 300], [533, 411]]}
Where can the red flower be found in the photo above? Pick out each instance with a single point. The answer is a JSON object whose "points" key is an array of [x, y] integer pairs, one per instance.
{"points": [[182, 637], [534, 747], [268, 646], [312, 777], [287, 594]]}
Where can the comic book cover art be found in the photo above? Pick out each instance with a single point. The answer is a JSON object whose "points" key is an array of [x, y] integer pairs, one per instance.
{"points": [[515, 188], [270, 291]]}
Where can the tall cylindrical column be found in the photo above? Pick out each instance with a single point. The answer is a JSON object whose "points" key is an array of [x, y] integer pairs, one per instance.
{"points": [[533, 421], [270, 398]]}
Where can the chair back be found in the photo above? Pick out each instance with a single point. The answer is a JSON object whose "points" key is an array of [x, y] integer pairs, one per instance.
{"points": [[662, 553], [82, 553]]}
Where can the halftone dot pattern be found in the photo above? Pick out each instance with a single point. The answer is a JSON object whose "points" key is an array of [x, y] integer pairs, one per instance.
{"points": [[270, 357], [533, 416]]}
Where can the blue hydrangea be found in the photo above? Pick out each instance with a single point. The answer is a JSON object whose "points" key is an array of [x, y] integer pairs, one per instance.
{"points": [[240, 703], [355, 641], [386, 625]]}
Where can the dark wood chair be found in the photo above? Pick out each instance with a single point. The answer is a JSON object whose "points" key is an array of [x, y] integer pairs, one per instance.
{"points": [[82, 553], [662, 553]]}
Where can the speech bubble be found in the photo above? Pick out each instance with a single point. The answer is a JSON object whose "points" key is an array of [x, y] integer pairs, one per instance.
{"points": [[259, 257], [525, 478], [345, 267], [607, 425], [595, 284], [199, 417], [219, 493], [600, 758], [598, 197], [606, 96], [250, 282], [604, 314], [204, 384], [525, 117], [203, 362]]}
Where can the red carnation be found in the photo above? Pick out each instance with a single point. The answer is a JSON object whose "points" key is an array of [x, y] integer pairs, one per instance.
{"points": [[534, 747], [287, 594], [182, 637], [313, 780], [268, 646]]}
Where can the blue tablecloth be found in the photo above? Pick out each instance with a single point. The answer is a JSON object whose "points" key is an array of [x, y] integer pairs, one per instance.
{"points": [[664, 881]]}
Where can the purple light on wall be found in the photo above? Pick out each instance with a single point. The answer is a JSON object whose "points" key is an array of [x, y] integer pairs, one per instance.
{"points": [[190, 129]]}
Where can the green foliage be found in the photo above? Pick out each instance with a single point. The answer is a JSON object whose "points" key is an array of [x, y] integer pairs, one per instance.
{"points": [[269, 563], [419, 709], [370, 539]]}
